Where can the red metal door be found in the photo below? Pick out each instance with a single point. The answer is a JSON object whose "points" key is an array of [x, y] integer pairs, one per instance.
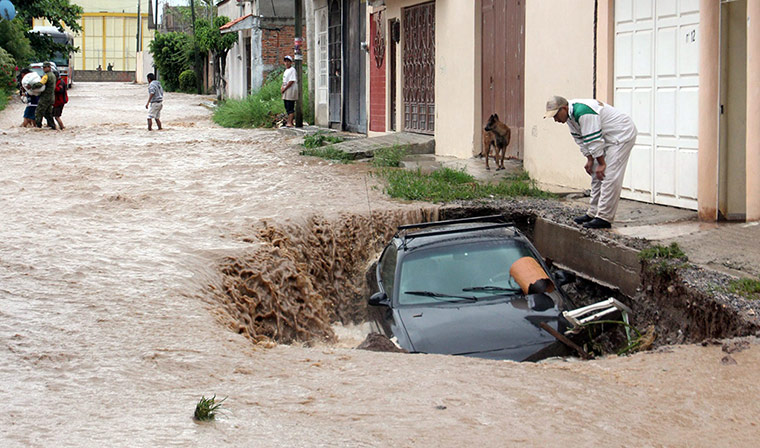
{"points": [[503, 67], [419, 68], [377, 73]]}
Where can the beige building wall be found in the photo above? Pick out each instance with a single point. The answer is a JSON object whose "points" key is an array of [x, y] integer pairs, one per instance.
{"points": [[457, 75], [109, 34], [558, 61]]}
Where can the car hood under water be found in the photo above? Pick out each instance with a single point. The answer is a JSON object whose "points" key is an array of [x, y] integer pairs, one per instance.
{"points": [[494, 329]]}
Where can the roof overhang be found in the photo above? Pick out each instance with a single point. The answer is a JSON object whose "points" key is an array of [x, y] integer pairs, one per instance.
{"points": [[241, 23]]}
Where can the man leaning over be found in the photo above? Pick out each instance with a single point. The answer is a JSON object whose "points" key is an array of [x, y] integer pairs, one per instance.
{"points": [[605, 136], [47, 98]]}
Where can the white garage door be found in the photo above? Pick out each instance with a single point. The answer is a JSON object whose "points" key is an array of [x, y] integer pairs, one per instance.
{"points": [[656, 82]]}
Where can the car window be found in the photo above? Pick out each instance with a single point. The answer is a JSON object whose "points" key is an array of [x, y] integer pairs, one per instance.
{"points": [[450, 269], [388, 268]]}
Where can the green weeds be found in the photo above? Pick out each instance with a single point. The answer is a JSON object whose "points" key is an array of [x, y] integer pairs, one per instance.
{"points": [[207, 408], [390, 156], [4, 99], [329, 153], [664, 260], [668, 252], [261, 108], [319, 139], [749, 288], [446, 184]]}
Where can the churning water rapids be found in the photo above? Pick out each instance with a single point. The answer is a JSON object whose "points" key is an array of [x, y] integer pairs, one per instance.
{"points": [[127, 260]]}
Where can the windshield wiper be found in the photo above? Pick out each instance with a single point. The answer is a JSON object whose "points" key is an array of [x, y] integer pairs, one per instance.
{"points": [[497, 289], [439, 295]]}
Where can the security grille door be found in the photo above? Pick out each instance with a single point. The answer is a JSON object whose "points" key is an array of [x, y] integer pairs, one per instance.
{"points": [[657, 83], [419, 68], [322, 59]]}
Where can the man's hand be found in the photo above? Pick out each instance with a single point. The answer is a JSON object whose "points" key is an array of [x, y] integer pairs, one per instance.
{"points": [[146, 106], [589, 165], [600, 170]]}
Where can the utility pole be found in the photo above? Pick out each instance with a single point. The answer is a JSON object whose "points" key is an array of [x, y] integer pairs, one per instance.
{"points": [[298, 56], [196, 65], [139, 26]]}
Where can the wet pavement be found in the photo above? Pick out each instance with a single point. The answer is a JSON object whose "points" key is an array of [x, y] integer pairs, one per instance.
{"points": [[111, 328]]}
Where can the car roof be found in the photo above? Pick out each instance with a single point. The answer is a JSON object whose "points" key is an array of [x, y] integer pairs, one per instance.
{"points": [[459, 230]]}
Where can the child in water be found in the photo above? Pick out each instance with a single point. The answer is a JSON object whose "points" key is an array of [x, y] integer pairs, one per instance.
{"points": [[31, 102]]}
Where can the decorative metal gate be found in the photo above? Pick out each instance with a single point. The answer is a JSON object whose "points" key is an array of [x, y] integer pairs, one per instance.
{"points": [[419, 68], [336, 62]]}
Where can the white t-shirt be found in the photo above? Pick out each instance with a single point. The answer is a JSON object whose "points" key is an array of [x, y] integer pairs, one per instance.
{"points": [[292, 93]]}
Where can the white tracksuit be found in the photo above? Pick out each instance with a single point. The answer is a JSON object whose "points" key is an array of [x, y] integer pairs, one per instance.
{"points": [[601, 130]]}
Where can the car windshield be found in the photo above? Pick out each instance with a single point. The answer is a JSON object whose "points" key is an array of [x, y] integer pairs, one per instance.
{"points": [[60, 59], [479, 269]]}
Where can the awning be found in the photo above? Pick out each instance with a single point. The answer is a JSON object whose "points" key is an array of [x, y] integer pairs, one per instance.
{"points": [[241, 23]]}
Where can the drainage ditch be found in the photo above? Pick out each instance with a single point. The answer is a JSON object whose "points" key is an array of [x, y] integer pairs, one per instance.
{"points": [[304, 279]]}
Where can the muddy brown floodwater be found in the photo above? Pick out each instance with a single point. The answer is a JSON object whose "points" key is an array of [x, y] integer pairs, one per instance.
{"points": [[117, 247]]}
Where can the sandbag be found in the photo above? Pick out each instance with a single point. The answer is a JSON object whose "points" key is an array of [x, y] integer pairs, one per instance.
{"points": [[29, 80]]}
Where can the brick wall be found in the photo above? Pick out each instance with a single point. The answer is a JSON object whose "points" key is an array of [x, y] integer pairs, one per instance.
{"points": [[376, 81], [275, 44], [103, 75]]}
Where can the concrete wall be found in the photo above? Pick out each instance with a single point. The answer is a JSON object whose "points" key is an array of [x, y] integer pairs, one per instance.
{"points": [[457, 75], [559, 43], [144, 66]]}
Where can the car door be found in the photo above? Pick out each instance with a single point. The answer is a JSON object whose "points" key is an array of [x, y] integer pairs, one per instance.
{"points": [[386, 275]]}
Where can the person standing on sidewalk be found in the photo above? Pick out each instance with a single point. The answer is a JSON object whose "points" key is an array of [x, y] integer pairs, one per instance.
{"points": [[605, 136], [289, 89], [47, 98], [155, 101]]}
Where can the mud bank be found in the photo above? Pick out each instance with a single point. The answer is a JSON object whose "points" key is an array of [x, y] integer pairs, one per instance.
{"points": [[304, 277]]}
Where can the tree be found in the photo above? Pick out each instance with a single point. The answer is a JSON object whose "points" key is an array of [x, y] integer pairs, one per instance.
{"points": [[171, 55], [210, 39], [57, 12], [14, 35], [14, 40]]}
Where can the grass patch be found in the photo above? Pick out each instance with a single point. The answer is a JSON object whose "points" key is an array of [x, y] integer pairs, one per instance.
{"points": [[262, 107], [329, 153], [390, 156], [207, 408], [320, 139], [664, 260], [749, 288], [446, 184], [4, 99], [671, 252]]}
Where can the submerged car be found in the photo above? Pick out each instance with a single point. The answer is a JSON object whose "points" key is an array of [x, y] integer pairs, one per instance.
{"points": [[445, 287]]}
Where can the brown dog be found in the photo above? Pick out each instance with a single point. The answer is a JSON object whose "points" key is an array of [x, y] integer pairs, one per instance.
{"points": [[496, 134]]}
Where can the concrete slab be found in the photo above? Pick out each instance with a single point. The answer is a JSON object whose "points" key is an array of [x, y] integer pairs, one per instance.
{"points": [[362, 148]]}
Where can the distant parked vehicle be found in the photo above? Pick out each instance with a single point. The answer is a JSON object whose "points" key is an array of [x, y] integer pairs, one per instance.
{"points": [[63, 61], [446, 288]]}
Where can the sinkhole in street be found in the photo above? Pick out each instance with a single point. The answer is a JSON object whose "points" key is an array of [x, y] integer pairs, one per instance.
{"points": [[305, 280]]}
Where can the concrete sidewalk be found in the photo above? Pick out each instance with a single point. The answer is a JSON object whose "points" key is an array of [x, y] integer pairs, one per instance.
{"points": [[729, 247], [361, 147]]}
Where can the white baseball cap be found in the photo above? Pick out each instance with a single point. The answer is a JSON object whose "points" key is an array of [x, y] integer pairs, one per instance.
{"points": [[553, 105]]}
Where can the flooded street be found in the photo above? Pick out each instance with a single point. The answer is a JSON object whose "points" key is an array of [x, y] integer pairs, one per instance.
{"points": [[113, 320]]}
